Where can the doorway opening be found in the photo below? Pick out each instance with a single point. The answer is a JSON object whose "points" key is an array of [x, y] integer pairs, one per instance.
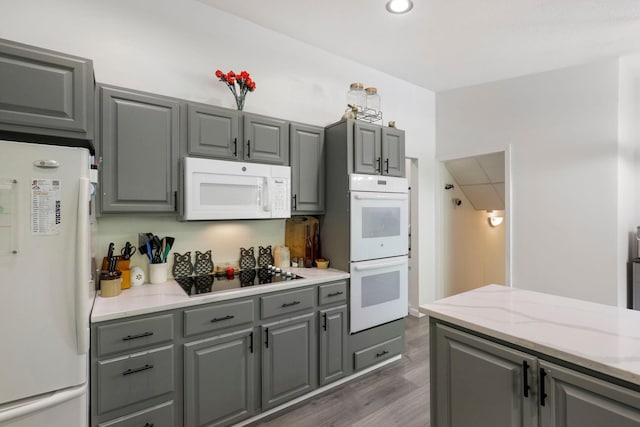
{"points": [[473, 217]]}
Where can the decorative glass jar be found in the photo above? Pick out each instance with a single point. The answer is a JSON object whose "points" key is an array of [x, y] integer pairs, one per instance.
{"points": [[356, 96], [373, 99]]}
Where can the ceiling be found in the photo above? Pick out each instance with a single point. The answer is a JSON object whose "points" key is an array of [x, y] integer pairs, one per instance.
{"points": [[481, 179], [445, 44]]}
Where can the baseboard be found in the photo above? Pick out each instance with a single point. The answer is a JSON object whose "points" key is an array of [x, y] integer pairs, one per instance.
{"points": [[415, 312]]}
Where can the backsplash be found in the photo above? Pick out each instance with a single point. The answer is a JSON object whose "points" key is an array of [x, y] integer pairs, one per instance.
{"points": [[224, 238]]}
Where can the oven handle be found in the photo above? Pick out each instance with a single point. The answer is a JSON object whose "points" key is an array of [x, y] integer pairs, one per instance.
{"points": [[379, 265], [402, 196]]}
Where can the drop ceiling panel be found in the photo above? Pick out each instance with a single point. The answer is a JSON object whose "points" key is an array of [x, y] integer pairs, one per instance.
{"points": [[483, 197], [500, 190], [467, 171], [493, 166]]}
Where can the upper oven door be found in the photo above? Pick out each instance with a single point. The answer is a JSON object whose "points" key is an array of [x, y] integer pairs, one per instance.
{"points": [[379, 225]]}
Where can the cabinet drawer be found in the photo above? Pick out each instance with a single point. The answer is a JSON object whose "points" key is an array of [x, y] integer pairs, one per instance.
{"points": [[287, 302], [332, 292], [377, 353], [157, 416], [216, 317], [135, 334], [134, 378]]}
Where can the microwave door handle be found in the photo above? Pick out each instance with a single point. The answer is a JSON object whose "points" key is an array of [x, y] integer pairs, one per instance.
{"points": [[379, 265], [402, 196], [265, 199]]}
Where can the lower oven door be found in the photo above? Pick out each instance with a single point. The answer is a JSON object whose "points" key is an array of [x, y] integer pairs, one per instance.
{"points": [[378, 292]]}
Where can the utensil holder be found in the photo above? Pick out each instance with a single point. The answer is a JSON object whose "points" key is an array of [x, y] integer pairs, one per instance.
{"points": [[158, 273]]}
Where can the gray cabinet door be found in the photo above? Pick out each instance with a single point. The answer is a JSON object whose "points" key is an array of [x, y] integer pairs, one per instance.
{"points": [[333, 344], [575, 399], [139, 142], [45, 92], [307, 169], [213, 132], [393, 152], [367, 156], [289, 367], [219, 380], [266, 140], [476, 382]]}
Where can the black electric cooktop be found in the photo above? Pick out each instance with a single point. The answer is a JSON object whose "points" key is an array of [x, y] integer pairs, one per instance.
{"points": [[205, 284]]}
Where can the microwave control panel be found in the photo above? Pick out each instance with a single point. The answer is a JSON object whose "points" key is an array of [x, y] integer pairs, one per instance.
{"points": [[280, 196]]}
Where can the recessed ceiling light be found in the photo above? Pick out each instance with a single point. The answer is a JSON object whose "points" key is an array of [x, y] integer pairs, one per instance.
{"points": [[399, 6]]}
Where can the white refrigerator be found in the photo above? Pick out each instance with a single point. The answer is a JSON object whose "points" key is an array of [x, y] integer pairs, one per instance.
{"points": [[46, 284]]}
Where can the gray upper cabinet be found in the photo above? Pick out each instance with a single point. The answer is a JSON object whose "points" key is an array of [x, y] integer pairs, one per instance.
{"points": [[477, 382], [393, 152], [265, 139], [139, 142], [366, 148], [45, 92], [213, 132], [307, 169], [289, 367], [219, 381], [575, 399]]}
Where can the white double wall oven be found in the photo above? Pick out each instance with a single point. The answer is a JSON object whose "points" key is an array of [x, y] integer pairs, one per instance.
{"points": [[379, 264]]}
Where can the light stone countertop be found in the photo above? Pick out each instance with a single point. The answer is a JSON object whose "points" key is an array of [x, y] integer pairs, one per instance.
{"points": [[599, 337], [150, 298]]}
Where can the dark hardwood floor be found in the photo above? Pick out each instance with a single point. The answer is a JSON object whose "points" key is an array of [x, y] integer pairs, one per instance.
{"points": [[397, 395]]}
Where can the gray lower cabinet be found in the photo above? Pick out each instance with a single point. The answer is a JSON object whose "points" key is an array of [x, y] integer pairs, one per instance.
{"points": [[575, 399], [478, 382], [134, 375], [265, 139], [45, 92], [219, 379], [289, 363], [307, 169], [139, 142], [475, 381], [333, 349], [366, 148], [213, 132]]}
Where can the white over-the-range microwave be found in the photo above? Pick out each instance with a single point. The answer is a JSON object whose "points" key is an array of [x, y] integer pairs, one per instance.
{"points": [[219, 189]]}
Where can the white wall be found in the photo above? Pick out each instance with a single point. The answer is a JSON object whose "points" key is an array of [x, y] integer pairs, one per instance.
{"points": [[628, 198], [563, 129], [472, 253], [174, 47]]}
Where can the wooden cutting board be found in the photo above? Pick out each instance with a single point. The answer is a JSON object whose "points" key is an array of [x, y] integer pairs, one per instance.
{"points": [[294, 233]]}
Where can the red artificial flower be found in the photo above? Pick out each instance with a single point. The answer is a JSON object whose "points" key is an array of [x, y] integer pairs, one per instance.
{"points": [[231, 73], [230, 79], [244, 75], [218, 73]]}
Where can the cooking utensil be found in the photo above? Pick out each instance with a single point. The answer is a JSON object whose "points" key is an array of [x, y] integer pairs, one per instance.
{"points": [[168, 245], [110, 251]]}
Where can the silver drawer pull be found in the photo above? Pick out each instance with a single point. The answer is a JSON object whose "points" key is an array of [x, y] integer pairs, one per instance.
{"points": [[289, 304], [219, 319], [133, 337], [382, 353], [333, 294], [133, 371]]}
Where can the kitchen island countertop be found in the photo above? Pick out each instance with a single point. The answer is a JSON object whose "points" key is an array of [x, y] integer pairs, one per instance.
{"points": [[602, 338], [151, 298]]}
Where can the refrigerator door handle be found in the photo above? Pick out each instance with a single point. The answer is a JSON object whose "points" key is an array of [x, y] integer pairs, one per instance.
{"points": [[82, 267], [54, 399]]}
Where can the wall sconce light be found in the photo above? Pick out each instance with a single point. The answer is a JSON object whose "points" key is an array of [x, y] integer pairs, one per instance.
{"points": [[495, 219], [399, 6]]}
